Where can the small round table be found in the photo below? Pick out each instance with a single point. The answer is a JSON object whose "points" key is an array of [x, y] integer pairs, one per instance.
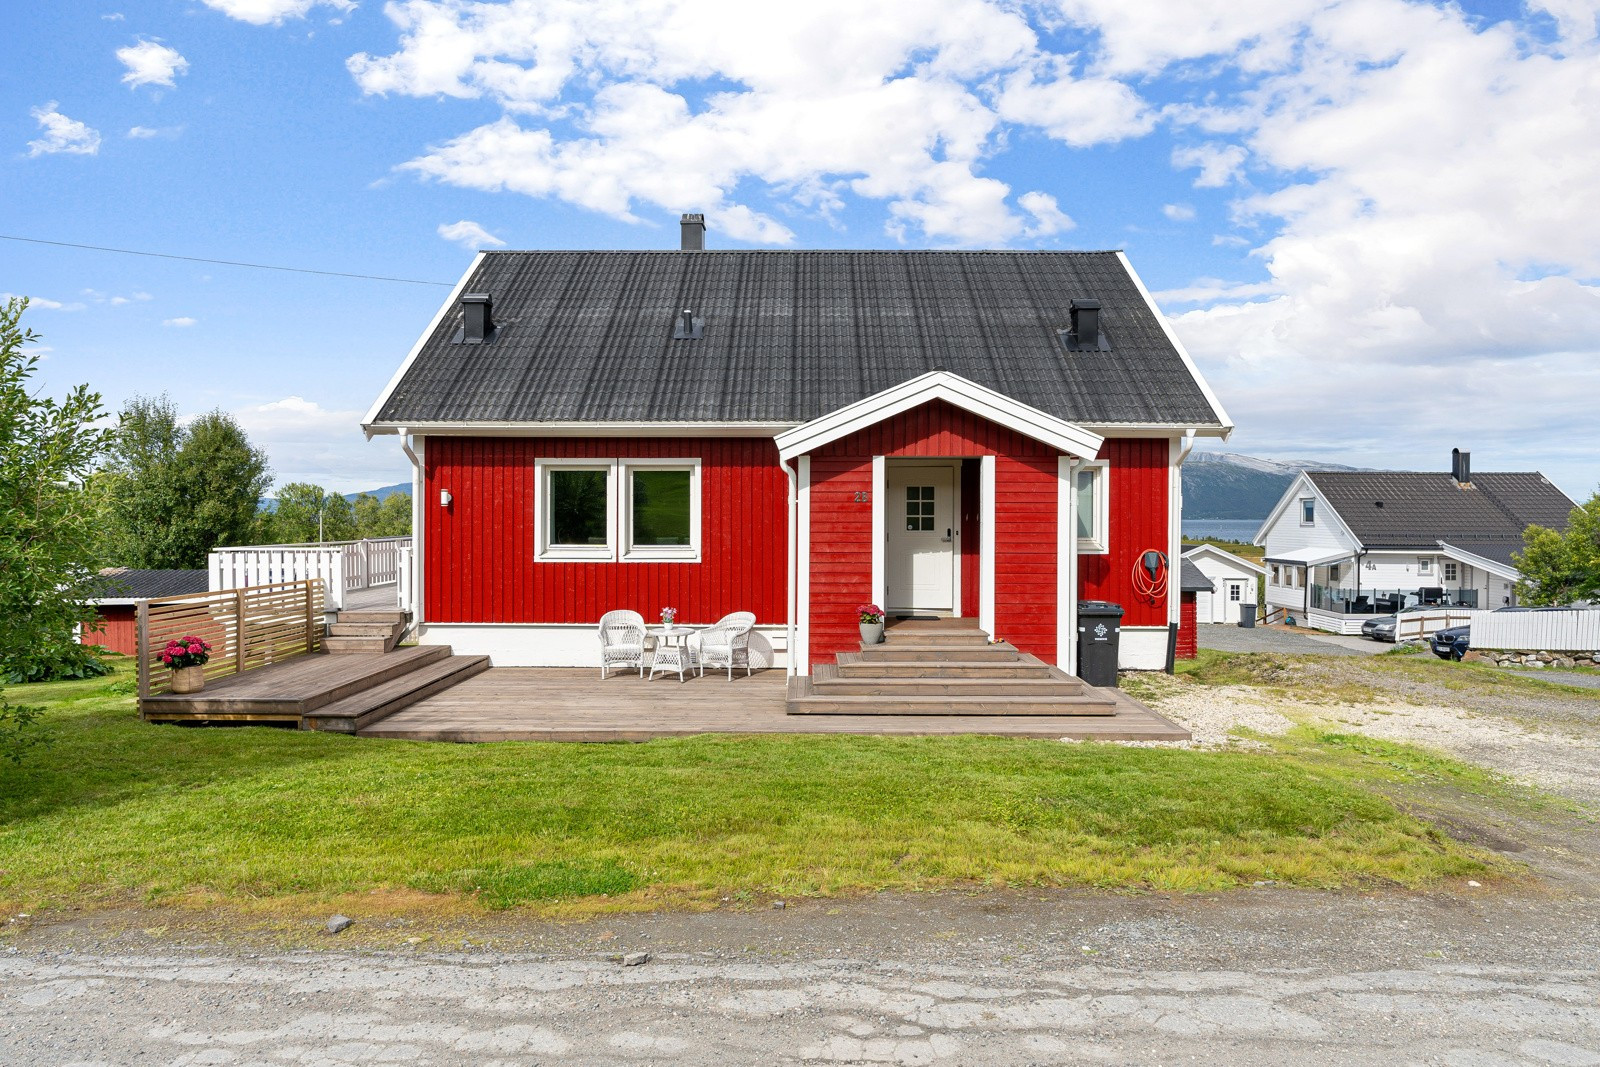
{"points": [[672, 650]]}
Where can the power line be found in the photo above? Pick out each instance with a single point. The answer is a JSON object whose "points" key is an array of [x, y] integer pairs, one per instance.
{"points": [[224, 262]]}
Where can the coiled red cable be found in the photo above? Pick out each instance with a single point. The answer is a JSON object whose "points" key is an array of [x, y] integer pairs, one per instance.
{"points": [[1150, 587]]}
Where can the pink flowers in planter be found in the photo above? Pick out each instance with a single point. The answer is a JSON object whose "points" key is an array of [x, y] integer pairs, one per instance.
{"points": [[669, 616], [183, 652], [869, 613]]}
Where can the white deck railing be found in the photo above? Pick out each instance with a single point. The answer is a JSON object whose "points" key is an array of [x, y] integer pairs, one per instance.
{"points": [[343, 566]]}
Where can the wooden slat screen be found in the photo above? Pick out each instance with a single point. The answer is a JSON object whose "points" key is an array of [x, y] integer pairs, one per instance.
{"points": [[246, 628]]}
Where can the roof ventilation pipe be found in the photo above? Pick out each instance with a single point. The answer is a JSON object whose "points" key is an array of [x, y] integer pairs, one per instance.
{"points": [[694, 233], [477, 318], [1084, 332], [1461, 466]]}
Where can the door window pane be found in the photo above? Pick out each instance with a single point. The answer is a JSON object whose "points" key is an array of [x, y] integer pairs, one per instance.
{"points": [[578, 507], [661, 507], [919, 507]]}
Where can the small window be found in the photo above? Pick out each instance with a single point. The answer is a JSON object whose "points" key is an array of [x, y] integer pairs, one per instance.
{"points": [[1091, 490], [574, 510], [1308, 511], [1450, 570], [1277, 575], [1425, 565], [1235, 591], [919, 508], [1333, 573], [662, 510]]}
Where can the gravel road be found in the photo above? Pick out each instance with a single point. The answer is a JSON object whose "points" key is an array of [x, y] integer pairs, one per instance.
{"points": [[1269, 977], [1226, 638]]}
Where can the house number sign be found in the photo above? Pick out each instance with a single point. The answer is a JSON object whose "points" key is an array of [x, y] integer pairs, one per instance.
{"points": [[862, 496]]}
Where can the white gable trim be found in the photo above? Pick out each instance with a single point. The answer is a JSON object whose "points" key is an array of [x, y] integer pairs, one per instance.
{"points": [[1183, 353], [1303, 486], [1472, 559], [1225, 556], [953, 389], [370, 424]]}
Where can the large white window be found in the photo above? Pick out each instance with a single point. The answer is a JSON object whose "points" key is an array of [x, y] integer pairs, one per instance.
{"points": [[1093, 512], [603, 509]]}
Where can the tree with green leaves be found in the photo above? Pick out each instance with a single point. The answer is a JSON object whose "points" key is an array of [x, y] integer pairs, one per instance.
{"points": [[170, 492], [48, 546], [1562, 567], [300, 504], [389, 517]]}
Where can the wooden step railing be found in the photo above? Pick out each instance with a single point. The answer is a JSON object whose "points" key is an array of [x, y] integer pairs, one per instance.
{"points": [[246, 628]]}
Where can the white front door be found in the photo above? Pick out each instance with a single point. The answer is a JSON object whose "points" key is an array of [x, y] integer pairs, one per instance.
{"points": [[1235, 598], [920, 558]]}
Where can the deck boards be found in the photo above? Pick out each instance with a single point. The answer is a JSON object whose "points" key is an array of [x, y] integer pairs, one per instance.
{"points": [[283, 691], [556, 704]]}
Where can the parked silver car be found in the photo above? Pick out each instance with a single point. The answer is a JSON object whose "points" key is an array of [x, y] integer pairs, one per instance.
{"points": [[1382, 627]]}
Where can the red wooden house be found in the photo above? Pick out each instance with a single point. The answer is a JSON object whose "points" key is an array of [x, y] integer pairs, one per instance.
{"points": [[989, 435]]}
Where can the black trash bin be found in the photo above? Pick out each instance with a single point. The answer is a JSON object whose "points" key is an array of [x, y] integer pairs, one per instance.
{"points": [[1099, 634], [1247, 616]]}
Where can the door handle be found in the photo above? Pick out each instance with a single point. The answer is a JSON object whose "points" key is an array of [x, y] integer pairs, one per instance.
{"points": [[947, 534]]}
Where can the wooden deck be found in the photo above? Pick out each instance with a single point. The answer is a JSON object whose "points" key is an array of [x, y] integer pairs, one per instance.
{"points": [[555, 704]]}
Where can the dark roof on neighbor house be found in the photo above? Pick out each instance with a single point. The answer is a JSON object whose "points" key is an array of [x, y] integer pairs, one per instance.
{"points": [[122, 583], [1191, 580], [1420, 509], [789, 336], [1496, 551]]}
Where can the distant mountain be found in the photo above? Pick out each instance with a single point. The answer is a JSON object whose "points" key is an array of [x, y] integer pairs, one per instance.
{"points": [[1226, 485], [388, 490]]}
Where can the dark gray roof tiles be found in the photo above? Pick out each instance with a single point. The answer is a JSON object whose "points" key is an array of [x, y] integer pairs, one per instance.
{"points": [[1192, 579], [123, 583], [1420, 509], [790, 336]]}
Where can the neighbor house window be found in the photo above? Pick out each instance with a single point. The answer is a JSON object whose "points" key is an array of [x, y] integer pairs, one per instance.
{"points": [[1333, 574], [594, 509], [1425, 565], [1308, 512], [1093, 520], [1449, 570], [1277, 576]]}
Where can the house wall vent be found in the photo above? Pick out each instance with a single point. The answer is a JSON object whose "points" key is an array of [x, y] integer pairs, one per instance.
{"points": [[477, 318], [1083, 334], [693, 229], [1461, 466]]}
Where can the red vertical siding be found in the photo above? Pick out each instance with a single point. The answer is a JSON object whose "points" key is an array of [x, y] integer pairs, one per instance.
{"points": [[971, 536], [1187, 634], [1025, 527], [1137, 503], [117, 630], [479, 552]]}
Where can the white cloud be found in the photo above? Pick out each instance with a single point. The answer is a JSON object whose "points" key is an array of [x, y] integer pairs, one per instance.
{"points": [[1048, 218], [62, 134], [1576, 19], [1219, 164], [309, 443], [1178, 212], [273, 12], [181, 321], [43, 303], [469, 235], [146, 133], [115, 16], [151, 63]]}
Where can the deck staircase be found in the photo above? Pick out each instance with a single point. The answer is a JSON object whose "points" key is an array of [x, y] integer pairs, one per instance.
{"points": [[365, 631], [943, 667]]}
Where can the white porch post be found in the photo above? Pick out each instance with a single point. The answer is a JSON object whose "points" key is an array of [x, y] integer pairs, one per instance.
{"points": [[880, 532], [793, 556], [802, 651], [986, 543], [1067, 565]]}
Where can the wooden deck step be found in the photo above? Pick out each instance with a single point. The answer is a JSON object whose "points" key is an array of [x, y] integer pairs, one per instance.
{"points": [[371, 706], [374, 643], [898, 635], [286, 692], [363, 629], [851, 665], [387, 617], [805, 699], [925, 653], [826, 680]]}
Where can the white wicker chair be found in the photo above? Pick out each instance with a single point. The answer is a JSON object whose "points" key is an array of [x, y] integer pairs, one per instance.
{"points": [[725, 644], [622, 638]]}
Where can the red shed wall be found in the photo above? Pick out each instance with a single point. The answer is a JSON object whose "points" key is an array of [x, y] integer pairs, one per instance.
{"points": [[1137, 500], [117, 629], [479, 553], [1025, 524]]}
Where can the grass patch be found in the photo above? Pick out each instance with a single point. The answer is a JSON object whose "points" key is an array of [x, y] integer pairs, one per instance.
{"points": [[1384, 676], [112, 809]]}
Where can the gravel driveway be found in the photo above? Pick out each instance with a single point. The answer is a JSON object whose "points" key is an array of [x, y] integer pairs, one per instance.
{"points": [[1263, 977], [1226, 638]]}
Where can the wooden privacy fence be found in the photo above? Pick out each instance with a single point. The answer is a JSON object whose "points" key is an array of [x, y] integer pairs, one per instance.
{"points": [[1421, 625], [1574, 630], [246, 628]]}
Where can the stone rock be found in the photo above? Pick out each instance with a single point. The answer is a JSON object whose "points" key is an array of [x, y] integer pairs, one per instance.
{"points": [[634, 959], [1474, 657], [778, 905], [339, 924]]}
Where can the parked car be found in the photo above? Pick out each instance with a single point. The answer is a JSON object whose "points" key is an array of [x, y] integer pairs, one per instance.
{"points": [[1452, 642], [1381, 627]]}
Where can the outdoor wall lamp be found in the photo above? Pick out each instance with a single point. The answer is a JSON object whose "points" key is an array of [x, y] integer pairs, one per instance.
{"points": [[445, 498]]}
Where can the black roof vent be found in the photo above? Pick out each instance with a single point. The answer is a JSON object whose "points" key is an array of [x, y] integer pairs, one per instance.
{"points": [[1085, 335], [688, 327], [1461, 466], [694, 233], [477, 319]]}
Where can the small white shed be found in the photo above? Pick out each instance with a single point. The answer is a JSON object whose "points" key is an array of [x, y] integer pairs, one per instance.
{"points": [[1233, 582]]}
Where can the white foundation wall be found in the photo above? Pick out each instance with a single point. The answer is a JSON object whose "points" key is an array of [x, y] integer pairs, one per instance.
{"points": [[543, 645], [1143, 648]]}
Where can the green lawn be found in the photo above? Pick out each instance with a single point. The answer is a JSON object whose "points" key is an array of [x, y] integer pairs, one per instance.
{"points": [[112, 810]]}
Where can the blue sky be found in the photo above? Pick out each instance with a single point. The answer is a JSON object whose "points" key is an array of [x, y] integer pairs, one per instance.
{"points": [[1375, 223]]}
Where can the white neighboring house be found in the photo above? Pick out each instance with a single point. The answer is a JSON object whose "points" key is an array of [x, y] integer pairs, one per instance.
{"points": [[1233, 583], [1342, 546]]}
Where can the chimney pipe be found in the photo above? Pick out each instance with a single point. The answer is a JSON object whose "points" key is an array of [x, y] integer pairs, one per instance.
{"points": [[1086, 323], [694, 232], [1461, 466], [477, 318]]}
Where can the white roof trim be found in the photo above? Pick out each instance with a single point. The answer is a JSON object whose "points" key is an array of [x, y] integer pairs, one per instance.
{"points": [[1183, 353], [583, 429], [1299, 488], [1472, 559], [953, 389], [369, 424], [1225, 554], [1310, 557]]}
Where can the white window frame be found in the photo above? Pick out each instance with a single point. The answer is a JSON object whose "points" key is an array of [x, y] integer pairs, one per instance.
{"points": [[1099, 541], [632, 553], [1305, 502], [1277, 575], [1425, 566], [1451, 571], [544, 551]]}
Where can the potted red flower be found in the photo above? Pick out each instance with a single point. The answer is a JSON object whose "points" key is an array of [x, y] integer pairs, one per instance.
{"points": [[871, 619], [187, 657]]}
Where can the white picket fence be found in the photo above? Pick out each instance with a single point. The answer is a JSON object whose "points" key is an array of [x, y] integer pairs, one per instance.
{"points": [[1574, 630], [343, 566], [1421, 625]]}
